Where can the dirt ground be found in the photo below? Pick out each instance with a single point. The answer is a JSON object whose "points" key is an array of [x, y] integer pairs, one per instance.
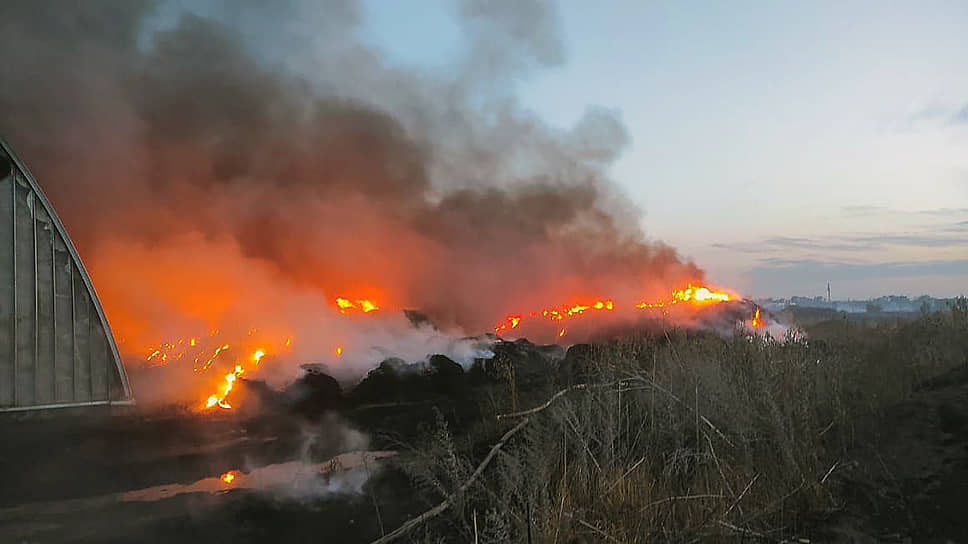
{"points": [[64, 478], [911, 483]]}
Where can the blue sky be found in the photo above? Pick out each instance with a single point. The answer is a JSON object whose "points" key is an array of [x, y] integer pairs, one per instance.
{"points": [[779, 145]]}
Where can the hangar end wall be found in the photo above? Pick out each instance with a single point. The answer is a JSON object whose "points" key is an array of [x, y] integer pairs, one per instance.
{"points": [[56, 347]]}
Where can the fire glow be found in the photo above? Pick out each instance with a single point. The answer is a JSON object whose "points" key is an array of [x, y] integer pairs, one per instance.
{"points": [[243, 358], [691, 294], [218, 399], [757, 322], [696, 295], [204, 356], [362, 304], [512, 321]]}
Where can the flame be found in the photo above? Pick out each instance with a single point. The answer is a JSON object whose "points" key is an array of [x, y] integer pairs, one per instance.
{"points": [[699, 294], [228, 477], [166, 352], [692, 294], [361, 304], [510, 322], [756, 322], [208, 363], [218, 399], [213, 352], [181, 348]]}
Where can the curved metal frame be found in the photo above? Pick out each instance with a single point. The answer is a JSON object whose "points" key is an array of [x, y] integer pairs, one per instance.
{"points": [[82, 272]]}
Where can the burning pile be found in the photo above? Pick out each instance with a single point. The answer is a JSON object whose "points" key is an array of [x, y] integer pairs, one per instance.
{"points": [[209, 352], [206, 352], [692, 294]]}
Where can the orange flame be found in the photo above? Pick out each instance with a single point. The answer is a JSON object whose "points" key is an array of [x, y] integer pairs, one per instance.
{"points": [[693, 294], [510, 322], [699, 294], [218, 399], [756, 322], [207, 355], [228, 477], [361, 304]]}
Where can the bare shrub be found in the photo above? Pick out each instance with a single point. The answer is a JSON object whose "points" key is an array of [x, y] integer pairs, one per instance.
{"points": [[686, 436]]}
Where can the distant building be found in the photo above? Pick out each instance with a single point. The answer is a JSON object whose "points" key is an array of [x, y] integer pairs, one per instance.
{"points": [[888, 304]]}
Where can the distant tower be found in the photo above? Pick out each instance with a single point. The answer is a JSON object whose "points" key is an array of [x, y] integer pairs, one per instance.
{"points": [[828, 292]]}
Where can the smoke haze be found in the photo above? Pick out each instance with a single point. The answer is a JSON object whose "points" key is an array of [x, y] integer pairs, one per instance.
{"points": [[240, 165]]}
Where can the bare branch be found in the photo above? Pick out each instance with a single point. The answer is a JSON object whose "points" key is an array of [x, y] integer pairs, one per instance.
{"points": [[741, 495], [748, 532], [412, 524], [680, 498], [829, 472], [597, 530], [556, 396]]}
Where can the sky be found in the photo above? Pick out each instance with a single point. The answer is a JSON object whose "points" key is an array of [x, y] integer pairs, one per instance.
{"points": [[778, 145]]}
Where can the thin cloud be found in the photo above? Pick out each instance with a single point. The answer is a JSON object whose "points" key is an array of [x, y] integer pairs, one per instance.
{"points": [[960, 226], [960, 117], [938, 238], [778, 275], [941, 113], [862, 211]]}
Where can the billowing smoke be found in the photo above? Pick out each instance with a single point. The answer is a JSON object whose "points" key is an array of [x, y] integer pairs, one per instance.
{"points": [[246, 162]]}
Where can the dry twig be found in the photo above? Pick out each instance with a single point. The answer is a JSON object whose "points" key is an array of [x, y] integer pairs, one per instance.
{"points": [[742, 530], [412, 524], [597, 530], [741, 495], [680, 498], [556, 396]]}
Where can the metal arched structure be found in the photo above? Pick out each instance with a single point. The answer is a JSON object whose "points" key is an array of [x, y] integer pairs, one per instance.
{"points": [[56, 347]]}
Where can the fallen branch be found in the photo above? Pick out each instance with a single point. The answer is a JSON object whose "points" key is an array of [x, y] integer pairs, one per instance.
{"points": [[829, 472], [827, 428], [412, 524], [741, 495], [597, 530], [741, 530], [719, 468], [556, 396], [769, 508], [627, 472], [680, 498]]}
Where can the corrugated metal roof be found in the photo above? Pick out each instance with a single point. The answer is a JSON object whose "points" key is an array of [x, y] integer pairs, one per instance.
{"points": [[56, 347]]}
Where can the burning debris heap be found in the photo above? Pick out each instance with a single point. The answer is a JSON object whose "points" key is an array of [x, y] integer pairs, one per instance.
{"points": [[695, 306], [526, 365]]}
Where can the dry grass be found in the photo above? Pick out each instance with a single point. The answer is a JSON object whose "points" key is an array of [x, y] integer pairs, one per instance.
{"points": [[687, 437]]}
